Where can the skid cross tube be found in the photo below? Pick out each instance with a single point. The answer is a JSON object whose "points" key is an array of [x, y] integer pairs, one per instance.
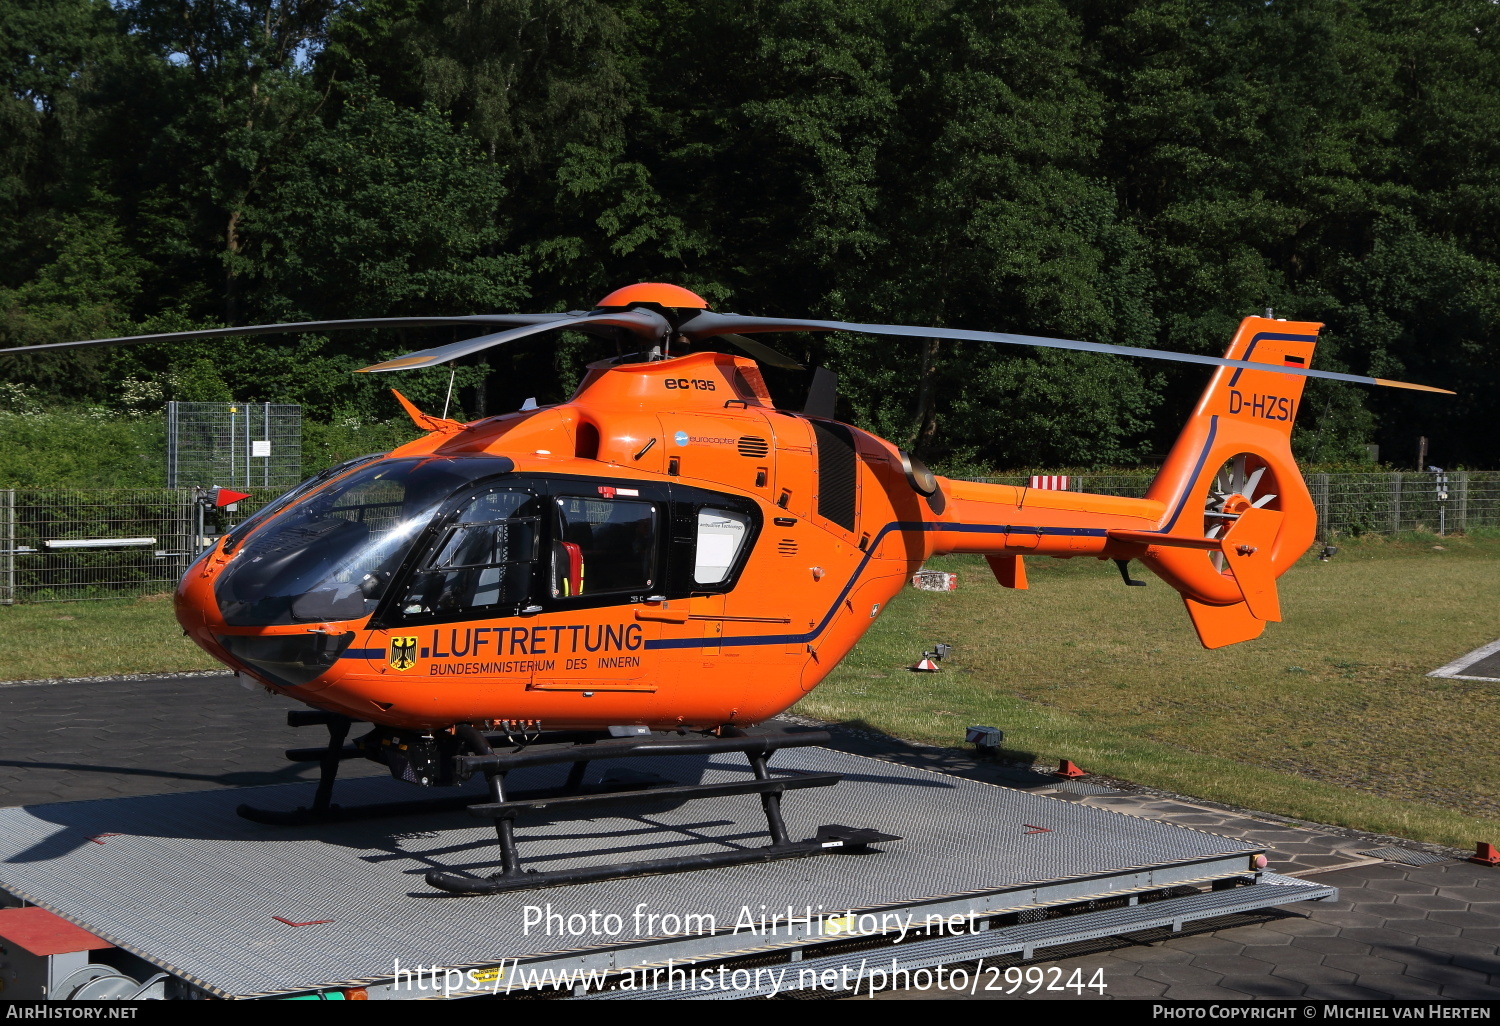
{"points": [[579, 749], [504, 809]]}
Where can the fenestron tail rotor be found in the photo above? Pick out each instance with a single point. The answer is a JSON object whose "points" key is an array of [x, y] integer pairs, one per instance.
{"points": [[1233, 491]]}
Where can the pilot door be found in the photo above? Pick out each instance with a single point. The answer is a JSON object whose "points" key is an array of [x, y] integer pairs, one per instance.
{"points": [[461, 607]]}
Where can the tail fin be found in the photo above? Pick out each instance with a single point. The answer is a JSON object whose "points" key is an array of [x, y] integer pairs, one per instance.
{"points": [[1238, 511]]}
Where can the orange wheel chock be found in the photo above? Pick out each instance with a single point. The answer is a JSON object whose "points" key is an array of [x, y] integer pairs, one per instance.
{"points": [[1067, 770]]}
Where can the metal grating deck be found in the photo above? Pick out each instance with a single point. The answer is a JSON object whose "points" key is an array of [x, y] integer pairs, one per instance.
{"points": [[185, 883]]}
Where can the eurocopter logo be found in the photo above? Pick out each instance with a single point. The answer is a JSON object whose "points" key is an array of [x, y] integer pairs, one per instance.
{"points": [[403, 653], [681, 438]]}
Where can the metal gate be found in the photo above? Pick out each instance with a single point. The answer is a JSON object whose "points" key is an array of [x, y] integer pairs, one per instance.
{"points": [[238, 445]]}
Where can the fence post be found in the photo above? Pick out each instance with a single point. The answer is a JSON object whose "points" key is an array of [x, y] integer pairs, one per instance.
{"points": [[8, 544], [1320, 504], [172, 445], [1461, 507], [1395, 504]]}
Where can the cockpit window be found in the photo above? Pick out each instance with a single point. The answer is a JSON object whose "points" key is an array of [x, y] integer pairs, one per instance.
{"points": [[280, 503], [482, 560], [603, 545], [330, 556]]}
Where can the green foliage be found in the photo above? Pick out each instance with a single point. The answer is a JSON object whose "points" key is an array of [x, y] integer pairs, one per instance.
{"points": [[1144, 172], [327, 445], [81, 449], [387, 212]]}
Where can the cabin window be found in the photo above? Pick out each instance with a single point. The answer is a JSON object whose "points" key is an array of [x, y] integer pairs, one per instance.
{"points": [[603, 545], [721, 538], [484, 559]]}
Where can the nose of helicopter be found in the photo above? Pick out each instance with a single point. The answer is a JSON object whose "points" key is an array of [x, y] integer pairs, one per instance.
{"points": [[284, 595]]}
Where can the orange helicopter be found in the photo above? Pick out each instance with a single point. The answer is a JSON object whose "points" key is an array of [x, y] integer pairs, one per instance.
{"points": [[668, 559]]}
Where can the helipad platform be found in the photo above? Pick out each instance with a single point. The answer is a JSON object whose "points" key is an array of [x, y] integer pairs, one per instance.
{"points": [[232, 908]]}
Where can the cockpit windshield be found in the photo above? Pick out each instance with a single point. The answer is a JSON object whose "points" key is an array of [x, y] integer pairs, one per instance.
{"points": [[331, 555]]}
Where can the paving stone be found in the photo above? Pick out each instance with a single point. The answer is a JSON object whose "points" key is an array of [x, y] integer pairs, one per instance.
{"points": [[1303, 928], [1330, 945], [1441, 974], [1370, 902], [1156, 954], [1465, 920], [1354, 918], [1179, 973], [1455, 944], [1344, 992], [1207, 944], [1313, 974], [1362, 875], [1322, 861], [1134, 987], [1400, 886], [1480, 963], [1233, 965], [1264, 985], [1254, 938], [1434, 902], [1361, 965], [1399, 987], [1200, 992], [1396, 913]]}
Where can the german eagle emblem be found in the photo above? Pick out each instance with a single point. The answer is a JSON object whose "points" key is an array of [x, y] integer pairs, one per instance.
{"points": [[403, 653]]}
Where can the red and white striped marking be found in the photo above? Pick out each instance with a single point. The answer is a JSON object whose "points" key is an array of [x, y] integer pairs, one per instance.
{"points": [[1051, 482]]}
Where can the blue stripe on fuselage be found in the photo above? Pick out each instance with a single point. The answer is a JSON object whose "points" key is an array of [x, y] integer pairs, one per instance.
{"points": [[898, 525]]}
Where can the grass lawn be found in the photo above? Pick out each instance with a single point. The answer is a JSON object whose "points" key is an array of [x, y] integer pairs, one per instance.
{"points": [[93, 639], [1327, 716]]}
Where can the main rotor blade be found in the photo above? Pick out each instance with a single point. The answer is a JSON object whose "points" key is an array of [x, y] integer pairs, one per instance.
{"points": [[304, 326], [710, 323], [762, 352], [644, 323]]}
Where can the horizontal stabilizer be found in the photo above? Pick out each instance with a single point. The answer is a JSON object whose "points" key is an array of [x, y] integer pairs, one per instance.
{"points": [[1176, 541]]}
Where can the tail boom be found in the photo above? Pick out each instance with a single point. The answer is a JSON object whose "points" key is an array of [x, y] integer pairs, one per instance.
{"points": [[1220, 539]]}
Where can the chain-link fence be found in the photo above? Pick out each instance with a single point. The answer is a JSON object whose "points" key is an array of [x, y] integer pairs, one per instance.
{"points": [[60, 545], [1441, 502], [238, 445]]}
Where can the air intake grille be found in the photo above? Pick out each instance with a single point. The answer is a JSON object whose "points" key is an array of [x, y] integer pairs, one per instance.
{"points": [[836, 480], [787, 547], [755, 448]]}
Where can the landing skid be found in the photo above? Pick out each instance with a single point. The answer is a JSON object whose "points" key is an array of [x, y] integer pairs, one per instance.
{"points": [[578, 749]]}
